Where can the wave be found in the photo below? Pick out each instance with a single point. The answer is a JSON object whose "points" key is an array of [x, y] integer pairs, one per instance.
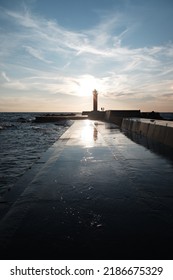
{"points": [[22, 143]]}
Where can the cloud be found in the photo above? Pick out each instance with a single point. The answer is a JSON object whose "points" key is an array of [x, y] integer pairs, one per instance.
{"points": [[23, 18], [6, 78], [16, 85], [41, 55], [36, 53], [166, 96]]}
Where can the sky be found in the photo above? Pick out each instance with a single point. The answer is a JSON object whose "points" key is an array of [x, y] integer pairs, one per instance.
{"points": [[54, 53]]}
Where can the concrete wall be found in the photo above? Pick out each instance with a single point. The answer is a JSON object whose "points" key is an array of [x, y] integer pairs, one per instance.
{"points": [[168, 140], [116, 116], [161, 131], [96, 115]]}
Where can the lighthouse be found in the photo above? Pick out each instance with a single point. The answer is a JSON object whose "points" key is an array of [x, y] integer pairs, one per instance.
{"points": [[95, 94]]}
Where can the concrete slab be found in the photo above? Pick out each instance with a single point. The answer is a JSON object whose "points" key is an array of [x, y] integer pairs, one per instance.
{"points": [[96, 194]]}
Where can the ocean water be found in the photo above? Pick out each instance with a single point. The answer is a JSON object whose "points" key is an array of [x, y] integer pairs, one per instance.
{"points": [[22, 141], [168, 116]]}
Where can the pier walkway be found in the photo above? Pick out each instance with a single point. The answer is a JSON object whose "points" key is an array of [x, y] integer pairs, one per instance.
{"points": [[95, 194]]}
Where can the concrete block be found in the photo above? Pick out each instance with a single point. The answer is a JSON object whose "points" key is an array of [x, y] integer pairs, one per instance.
{"points": [[169, 136], [151, 130], [144, 128], [136, 126], [159, 133]]}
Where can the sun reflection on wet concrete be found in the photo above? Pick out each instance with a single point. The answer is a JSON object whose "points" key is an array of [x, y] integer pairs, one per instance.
{"points": [[89, 134]]}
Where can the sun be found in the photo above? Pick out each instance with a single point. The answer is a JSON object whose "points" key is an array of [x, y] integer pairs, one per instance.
{"points": [[87, 84], [86, 88]]}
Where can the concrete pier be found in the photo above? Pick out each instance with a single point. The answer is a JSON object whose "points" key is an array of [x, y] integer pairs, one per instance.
{"points": [[95, 194]]}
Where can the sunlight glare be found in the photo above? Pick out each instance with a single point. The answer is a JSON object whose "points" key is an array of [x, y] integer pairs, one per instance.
{"points": [[86, 85], [87, 134]]}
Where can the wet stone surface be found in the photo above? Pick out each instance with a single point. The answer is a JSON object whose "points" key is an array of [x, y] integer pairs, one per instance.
{"points": [[103, 196]]}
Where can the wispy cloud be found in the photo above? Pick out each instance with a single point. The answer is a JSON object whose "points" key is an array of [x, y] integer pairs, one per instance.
{"points": [[36, 53], [6, 78], [53, 59]]}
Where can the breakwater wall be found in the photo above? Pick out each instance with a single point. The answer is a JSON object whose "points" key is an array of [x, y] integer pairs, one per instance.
{"points": [[116, 116], [157, 130], [58, 118]]}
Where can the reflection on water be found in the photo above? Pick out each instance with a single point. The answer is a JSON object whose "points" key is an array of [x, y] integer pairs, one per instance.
{"points": [[95, 134], [89, 134], [111, 126]]}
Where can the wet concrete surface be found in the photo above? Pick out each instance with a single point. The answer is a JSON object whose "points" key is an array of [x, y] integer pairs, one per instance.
{"points": [[97, 194]]}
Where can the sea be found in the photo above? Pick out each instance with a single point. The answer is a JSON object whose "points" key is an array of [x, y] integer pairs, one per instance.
{"points": [[22, 142]]}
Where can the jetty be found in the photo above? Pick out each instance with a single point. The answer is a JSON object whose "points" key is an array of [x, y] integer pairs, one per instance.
{"points": [[96, 193], [59, 117], [154, 128]]}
